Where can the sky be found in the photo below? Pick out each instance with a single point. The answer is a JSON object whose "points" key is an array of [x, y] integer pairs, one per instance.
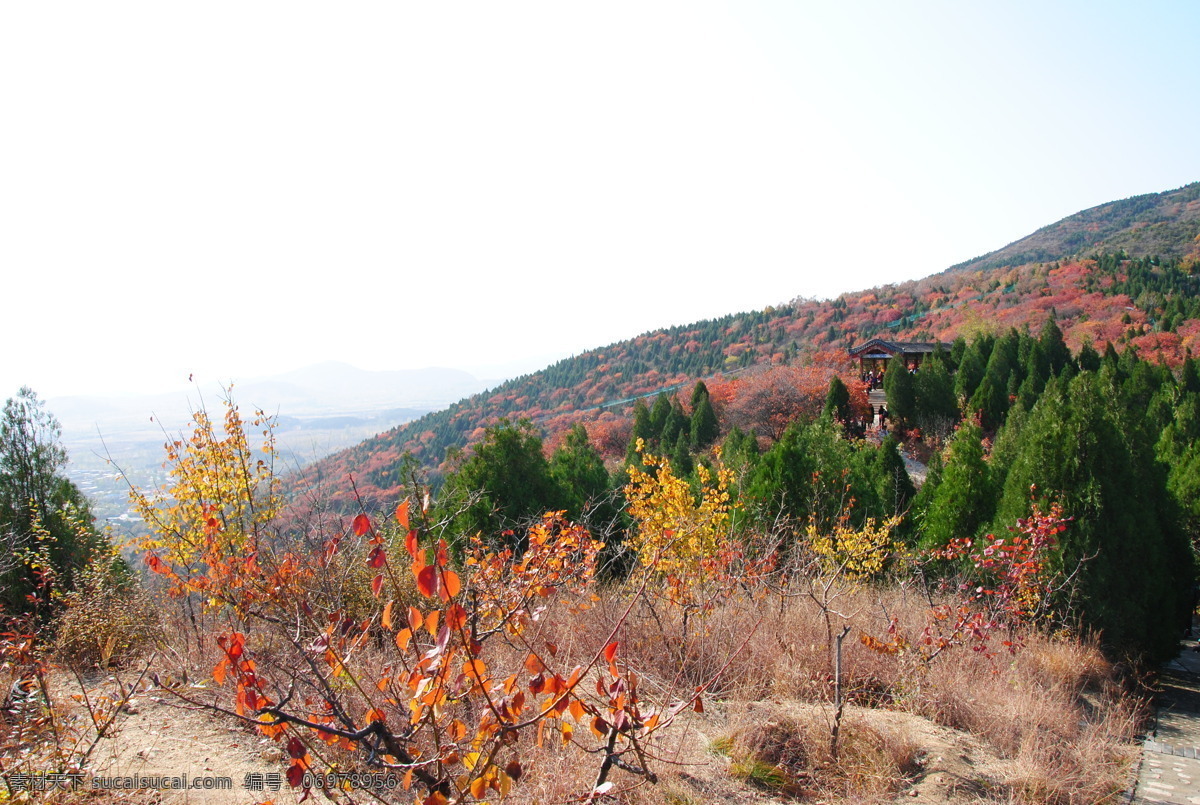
{"points": [[230, 190]]}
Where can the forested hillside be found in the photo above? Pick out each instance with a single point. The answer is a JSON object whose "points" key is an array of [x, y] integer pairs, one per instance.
{"points": [[1148, 302]]}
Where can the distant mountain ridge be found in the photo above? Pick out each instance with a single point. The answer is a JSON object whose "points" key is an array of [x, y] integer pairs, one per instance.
{"points": [[1163, 224], [1153, 307]]}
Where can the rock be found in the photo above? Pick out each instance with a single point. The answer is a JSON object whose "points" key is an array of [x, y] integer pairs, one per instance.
{"points": [[272, 754]]}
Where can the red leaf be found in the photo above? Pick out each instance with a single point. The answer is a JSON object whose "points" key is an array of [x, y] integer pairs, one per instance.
{"points": [[411, 544], [428, 583], [376, 558], [377, 585], [362, 524], [295, 774], [295, 748], [402, 514]]}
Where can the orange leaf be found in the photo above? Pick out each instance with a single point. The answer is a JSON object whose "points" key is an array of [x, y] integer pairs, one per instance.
{"points": [[387, 616], [219, 671], [415, 619], [431, 622], [577, 709], [450, 585], [402, 514], [534, 664], [402, 638], [610, 651], [456, 617], [478, 787], [574, 680], [362, 524]]}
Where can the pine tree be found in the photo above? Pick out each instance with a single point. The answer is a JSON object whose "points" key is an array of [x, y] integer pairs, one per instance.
{"points": [[578, 469], [970, 372], [660, 412], [1134, 564], [964, 499], [936, 405], [503, 485], [1089, 358], [898, 386], [837, 401], [41, 510], [1054, 347], [703, 427], [894, 488]]}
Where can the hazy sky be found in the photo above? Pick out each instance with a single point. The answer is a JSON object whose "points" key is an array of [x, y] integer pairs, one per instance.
{"points": [[234, 189]]}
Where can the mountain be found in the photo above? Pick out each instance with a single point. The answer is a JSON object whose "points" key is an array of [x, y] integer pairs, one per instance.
{"points": [[1095, 271], [1162, 224]]}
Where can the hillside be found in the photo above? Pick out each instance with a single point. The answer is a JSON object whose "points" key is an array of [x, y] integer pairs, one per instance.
{"points": [[1150, 305], [1163, 224]]}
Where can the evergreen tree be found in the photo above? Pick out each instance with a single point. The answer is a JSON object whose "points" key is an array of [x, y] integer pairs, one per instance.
{"points": [[578, 469], [1134, 564], [970, 372], [37, 497], [837, 401], [913, 526], [642, 429], [1178, 449], [677, 424], [1189, 376], [1054, 347], [659, 414], [813, 471], [681, 456], [991, 398], [503, 485], [894, 488], [703, 427], [935, 403], [898, 387], [964, 499], [1089, 358], [740, 450]]}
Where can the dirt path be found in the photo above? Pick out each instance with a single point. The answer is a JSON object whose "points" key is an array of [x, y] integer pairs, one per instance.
{"points": [[163, 739]]}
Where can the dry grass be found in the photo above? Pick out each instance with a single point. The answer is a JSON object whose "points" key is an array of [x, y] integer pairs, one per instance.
{"points": [[788, 750], [1053, 711]]}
